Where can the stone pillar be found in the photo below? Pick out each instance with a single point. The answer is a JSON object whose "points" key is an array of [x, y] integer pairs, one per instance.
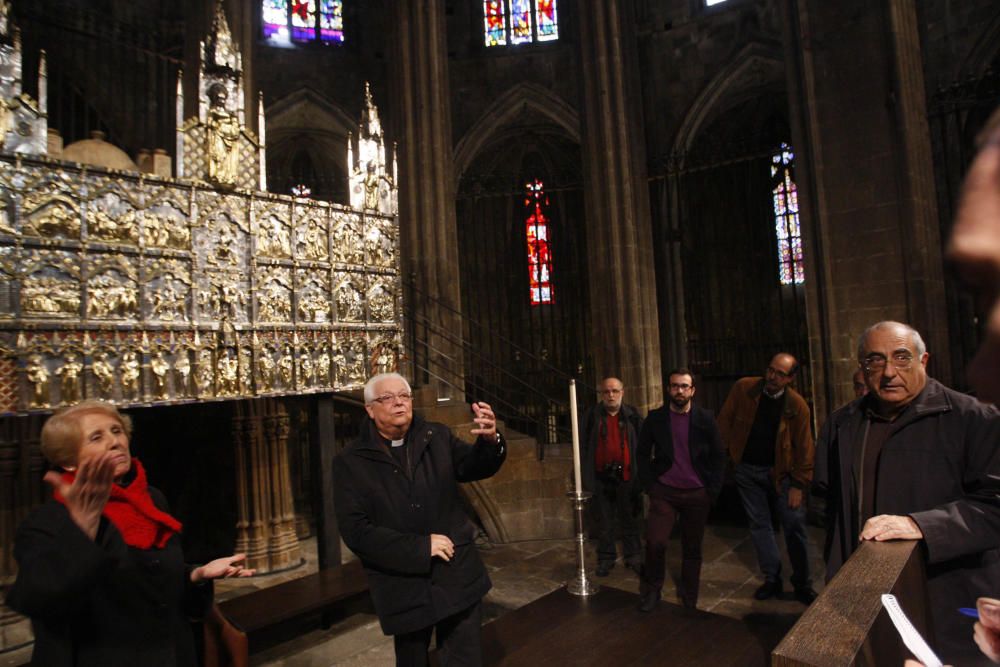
{"points": [[421, 115], [870, 224], [626, 339], [283, 550]]}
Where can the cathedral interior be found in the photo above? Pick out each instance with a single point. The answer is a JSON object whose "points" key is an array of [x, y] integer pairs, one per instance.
{"points": [[225, 216]]}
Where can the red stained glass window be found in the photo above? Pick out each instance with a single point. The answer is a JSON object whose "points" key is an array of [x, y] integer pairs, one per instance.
{"points": [[519, 21], [791, 265], [537, 235], [285, 21], [495, 22]]}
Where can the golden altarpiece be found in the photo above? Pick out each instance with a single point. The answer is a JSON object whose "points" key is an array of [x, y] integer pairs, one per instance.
{"points": [[148, 290]]}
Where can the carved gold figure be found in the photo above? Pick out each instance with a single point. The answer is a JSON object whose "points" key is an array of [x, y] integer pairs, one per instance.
{"points": [[227, 379], [160, 367], [286, 368], [246, 372], [103, 226], [105, 374], [265, 370], [56, 220], [69, 387], [371, 186], [305, 369], [380, 304], [315, 242], [38, 376], [323, 367], [349, 305], [46, 295], [182, 367], [223, 134], [204, 374], [131, 370], [348, 244]]}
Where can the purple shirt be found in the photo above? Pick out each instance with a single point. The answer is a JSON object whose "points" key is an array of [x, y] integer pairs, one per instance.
{"points": [[681, 474]]}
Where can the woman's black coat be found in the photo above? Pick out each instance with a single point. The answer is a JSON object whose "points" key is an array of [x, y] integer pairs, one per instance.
{"points": [[101, 602], [387, 517]]}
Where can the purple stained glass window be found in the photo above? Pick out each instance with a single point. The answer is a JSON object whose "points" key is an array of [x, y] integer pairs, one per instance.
{"points": [[520, 21], [331, 20], [303, 20], [791, 265], [274, 18]]}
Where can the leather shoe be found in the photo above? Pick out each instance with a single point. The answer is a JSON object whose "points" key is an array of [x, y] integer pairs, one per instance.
{"points": [[805, 594], [768, 589], [635, 567], [649, 601], [603, 569]]}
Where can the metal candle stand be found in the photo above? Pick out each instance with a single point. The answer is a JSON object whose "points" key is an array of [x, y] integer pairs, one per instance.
{"points": [[581, 584]]}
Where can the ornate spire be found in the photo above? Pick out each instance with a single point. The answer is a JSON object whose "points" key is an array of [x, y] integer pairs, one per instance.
{"points": [[221, 56]]}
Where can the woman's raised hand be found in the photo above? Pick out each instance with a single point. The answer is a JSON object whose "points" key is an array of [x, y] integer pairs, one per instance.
{"points": [[87, 495]]}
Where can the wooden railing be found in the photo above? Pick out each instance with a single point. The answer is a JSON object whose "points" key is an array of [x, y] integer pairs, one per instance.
{"points": [[847, 624]]}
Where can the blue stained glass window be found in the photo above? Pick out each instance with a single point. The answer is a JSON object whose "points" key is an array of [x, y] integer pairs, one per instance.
{"points": [[284, 21], [519, 21], [791, 265]]}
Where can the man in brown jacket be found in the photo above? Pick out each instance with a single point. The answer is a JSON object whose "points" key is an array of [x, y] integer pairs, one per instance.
{"points": [[765, 427]]}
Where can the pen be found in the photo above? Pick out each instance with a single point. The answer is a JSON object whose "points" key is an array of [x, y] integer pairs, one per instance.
{"points": [[969, 611]]}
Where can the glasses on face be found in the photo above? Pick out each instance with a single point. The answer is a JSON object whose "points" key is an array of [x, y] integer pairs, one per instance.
{"points": [[771, 370], [403, 396], [877, 362], [682, 386]]}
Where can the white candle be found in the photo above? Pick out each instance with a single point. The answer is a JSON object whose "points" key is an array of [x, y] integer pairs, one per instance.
{"points": [[574, 424]]}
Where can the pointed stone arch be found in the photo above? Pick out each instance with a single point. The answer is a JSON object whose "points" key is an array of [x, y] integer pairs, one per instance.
{"points": [[513, 103], [755, 68]]}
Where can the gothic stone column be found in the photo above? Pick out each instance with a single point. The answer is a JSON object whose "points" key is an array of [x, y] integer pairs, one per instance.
{"points": [[421, 114], [870, 223], [626, 337]]}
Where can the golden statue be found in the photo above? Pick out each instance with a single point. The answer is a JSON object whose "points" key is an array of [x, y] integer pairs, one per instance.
{"points": [[183, 369], [265, 370], [38, 376], [204, 374], [371, 187], [105, 374], [159, 365], [131, 370], [223, 134], [70, 374], [305, 369], [323, 367], [286, 368]]}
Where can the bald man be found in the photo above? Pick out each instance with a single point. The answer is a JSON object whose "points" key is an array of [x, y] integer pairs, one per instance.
{"points": [[766, 428]]}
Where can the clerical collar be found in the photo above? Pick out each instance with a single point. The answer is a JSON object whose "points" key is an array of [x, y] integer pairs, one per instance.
{"points": [[774, 396], [397, 443]]}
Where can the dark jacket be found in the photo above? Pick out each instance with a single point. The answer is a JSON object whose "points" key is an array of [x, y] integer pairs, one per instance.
{"points": [[940, 466], [103, 602], [590, 429], [387, 518], [656, 448], [794, 449]]}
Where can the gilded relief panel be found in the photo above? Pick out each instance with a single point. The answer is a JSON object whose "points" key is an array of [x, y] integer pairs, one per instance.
{"points": [[380, 242], [165, 220], [112, 215], [312, 237], [273, 230], [274, 295], [381, 299], [383, 352], [349, 364], [349, 294], [8, 273], [50, 284], [348, 241], [312, 293], [112, 289], [167, 291]]}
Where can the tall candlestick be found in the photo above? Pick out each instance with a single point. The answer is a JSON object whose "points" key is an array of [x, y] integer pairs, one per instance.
{"points": [[575, 425]]}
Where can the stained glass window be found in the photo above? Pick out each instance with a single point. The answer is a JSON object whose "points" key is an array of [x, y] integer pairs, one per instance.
{"points": [[303, 20], [495, 22], [791, 267], [537, 234], [519, 21]]}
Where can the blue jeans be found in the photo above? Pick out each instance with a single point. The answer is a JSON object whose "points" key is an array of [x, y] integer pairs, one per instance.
{"points": [[758, 493]]}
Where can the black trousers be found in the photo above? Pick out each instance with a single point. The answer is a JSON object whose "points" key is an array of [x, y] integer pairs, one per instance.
{"points": [[459, 642], [617, 507]]}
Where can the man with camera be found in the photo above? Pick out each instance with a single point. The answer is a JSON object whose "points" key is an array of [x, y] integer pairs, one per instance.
{"points": [[610, 433], [766, 427]]}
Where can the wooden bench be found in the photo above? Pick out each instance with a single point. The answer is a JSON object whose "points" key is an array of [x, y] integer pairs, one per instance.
{"points": [[259, 613]]}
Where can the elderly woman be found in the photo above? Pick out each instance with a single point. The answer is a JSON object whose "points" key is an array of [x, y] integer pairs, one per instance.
{"points": [[101, 572]]}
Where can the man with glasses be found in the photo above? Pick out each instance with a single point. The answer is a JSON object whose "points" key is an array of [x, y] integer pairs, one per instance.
{"points": [[766, 427], [681, 463], [398, 507], [914, 460], [609, 433]]}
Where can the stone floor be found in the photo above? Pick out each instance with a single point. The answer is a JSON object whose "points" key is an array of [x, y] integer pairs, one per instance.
{"points": [[523, 572]]}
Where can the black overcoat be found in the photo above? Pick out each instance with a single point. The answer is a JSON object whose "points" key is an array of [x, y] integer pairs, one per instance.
{"points": [[387, 517], [940, 466], [103, 602], [655, 454], [590, 430]]}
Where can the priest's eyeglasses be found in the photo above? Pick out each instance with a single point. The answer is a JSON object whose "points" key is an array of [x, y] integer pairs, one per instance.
{"points": [[877, 362], [403, 396]]}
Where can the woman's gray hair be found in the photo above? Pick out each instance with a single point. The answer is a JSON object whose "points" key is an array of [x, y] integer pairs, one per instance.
{"points": [[375, 379], [918, 343]]}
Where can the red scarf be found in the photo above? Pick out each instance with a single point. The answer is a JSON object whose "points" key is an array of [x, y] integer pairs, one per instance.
{"points": [[131, 509]]}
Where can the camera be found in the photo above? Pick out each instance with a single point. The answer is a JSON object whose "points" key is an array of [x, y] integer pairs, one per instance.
{"points": [[613, 472]]}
